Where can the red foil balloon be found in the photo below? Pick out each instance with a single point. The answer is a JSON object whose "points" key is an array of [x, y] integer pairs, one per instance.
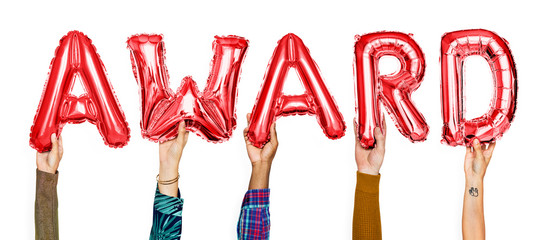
{"points": [[271, 103], [210, 114], [455, 48], [393, 90], [76, 56]]}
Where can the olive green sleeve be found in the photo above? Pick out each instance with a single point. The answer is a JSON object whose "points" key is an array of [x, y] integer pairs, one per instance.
{"points": [[46, 207]]}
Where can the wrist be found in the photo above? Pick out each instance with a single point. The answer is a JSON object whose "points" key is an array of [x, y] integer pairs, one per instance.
{"points": [[260, 177], [47, 169], [474, 181], [368, 171], [261, 166], [168, 170]]}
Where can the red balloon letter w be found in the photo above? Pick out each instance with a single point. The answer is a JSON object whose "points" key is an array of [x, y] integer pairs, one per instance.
{"points": [[209, 114]]}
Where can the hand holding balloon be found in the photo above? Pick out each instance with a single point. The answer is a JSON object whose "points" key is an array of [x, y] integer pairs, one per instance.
{"points": [[170, 154], [261, 158], [369, 161], [49, 161], [477, 160]]}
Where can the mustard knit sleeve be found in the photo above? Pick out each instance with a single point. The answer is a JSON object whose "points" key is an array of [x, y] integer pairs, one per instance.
{"points": [[367, 217]]}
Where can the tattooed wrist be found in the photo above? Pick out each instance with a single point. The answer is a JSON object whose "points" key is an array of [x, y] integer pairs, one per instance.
{"points": [[474, 192]]}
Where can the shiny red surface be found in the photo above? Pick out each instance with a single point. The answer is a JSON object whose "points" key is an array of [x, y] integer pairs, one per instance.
{"points": [[393, 91], [77, 56], [210, 114], [271, 103], [455, 48]]}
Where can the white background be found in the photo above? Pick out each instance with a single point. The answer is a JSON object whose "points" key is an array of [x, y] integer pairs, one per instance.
{"points": [[108, 193]]}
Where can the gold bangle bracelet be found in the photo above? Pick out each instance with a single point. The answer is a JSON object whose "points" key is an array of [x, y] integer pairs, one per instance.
{"points": [[167, 182]]}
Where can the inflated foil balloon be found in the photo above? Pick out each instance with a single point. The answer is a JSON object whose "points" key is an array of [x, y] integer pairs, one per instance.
{"points": [[393, 90], [271, 103], [210, 114], [455, 48], [76, 56]]}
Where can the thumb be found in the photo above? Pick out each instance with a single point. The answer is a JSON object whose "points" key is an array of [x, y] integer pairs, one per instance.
{"points": [[54, 142], [182, 132], [477, 148], [182, 128], [379, 138]]}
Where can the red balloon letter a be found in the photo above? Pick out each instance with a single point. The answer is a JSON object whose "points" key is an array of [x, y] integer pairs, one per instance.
{"points": [[209, 114], [76, 56], [272, 103]]}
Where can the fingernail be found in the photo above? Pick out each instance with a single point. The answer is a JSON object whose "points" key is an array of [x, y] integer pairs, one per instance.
{"points": [[476, 141], [54, 135]]}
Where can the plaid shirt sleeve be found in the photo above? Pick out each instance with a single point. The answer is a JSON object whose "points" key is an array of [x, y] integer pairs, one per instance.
{"points": [[254, 219], [166, 217]]}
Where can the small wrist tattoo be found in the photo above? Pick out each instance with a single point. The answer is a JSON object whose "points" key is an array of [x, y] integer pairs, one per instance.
{"points": [[474, 192]]}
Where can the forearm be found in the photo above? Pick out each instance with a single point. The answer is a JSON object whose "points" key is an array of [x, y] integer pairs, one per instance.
{"points": [[473, 221], [367, 216], [46, 206], [260, 176], [168, 171]]}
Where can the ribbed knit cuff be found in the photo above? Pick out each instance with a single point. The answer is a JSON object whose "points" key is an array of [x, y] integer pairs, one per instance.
{"points": [[367, 183]]}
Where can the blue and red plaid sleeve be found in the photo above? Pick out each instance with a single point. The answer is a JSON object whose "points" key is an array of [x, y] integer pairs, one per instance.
{"points": [[254, 218], [166, 217]]}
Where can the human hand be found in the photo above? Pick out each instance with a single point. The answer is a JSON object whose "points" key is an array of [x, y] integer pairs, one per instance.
{"points": [[170, 151], [261, 159], [265, 155], [477, 159], [170, 154], [369, 161], [49, 161]]}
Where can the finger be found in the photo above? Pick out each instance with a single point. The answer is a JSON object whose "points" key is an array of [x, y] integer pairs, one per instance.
{"points": [[245, 130], [477, 148], [182, 128], [182, 133], [383, 125], [273, 135], [489, 151], [186, 136], [60, 146], [355, 129], [248, 116], [54, 142], [491, 147], [380, 138]]}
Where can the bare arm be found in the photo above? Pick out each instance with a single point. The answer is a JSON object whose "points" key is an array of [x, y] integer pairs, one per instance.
{"points": [[475, 164], [170, 153]]}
